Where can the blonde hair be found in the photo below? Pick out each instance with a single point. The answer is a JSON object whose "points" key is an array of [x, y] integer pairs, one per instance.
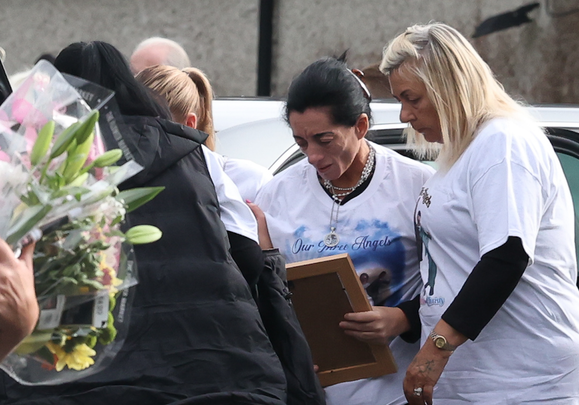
{"points": [[460, 85], [187, 91]]}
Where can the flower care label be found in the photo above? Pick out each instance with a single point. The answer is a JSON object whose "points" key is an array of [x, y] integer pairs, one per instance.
{"points": [[76, 310], [51, 312], [100, 312]]}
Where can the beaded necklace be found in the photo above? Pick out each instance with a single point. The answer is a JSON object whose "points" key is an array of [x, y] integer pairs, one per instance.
{"points": [[332, 238]]}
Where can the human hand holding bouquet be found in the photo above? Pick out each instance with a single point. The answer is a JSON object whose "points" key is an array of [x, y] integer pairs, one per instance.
{"points": [[18, 304], [57, 181]]}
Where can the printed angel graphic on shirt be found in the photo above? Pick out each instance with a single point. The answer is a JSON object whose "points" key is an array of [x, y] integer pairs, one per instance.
{"points": [[424, 241], [376, 281]]}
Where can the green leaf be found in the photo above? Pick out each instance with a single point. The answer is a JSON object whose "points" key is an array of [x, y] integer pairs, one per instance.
{"points": [[112, 301], [68, 280], [95, 196], [71, 270], [31, 197], [108, 334], [91, 341], [69, 190], [55, 182], [93, 283], [136, 197], [142, 234], [42, 143], [29, 218], [117, 220]]}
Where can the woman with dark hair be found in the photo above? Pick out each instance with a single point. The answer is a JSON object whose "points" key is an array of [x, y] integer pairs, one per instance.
{"points": [[196, 336], [101, 63], [349, 196]]}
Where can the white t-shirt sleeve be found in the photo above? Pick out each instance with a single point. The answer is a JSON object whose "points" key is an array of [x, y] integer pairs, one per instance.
{"points": [[507, 198], [249, 177], [505, 204], [235, 214]]}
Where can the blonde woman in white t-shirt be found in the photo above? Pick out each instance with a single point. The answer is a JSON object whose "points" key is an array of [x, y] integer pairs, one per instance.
{"points": [[190, 96], [500, 308], [349, 196]]}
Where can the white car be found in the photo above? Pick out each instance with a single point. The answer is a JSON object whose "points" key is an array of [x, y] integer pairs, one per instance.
{"points": [[254, 129]]}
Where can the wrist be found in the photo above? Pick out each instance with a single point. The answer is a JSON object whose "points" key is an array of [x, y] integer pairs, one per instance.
{"points": [[441, 342], [396, 320], [445, 338]]}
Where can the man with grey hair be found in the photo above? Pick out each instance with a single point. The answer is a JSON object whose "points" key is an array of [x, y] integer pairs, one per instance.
{"points": [[158, 51]]}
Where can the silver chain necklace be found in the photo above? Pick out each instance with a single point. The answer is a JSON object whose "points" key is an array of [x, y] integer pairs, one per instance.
{"points": [[332, 238]]}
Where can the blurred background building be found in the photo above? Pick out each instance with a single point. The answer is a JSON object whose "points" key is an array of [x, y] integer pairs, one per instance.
{"points": [[534, 51]]}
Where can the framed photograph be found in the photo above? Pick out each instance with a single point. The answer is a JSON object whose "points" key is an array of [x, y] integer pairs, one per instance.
{"points": [[323, 291]]}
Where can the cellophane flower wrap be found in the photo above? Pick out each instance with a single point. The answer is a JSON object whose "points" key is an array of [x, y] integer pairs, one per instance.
{"points": [[58, 182]]}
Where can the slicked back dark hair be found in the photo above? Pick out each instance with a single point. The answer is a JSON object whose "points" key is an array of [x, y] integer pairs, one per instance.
{"points": [[328, 83], [103, 64]]}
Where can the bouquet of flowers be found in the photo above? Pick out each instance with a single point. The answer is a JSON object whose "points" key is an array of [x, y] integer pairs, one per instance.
{"points": [[58, 186]]}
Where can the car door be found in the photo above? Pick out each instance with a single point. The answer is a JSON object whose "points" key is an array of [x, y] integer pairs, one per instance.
{"points": [[566, 145]]}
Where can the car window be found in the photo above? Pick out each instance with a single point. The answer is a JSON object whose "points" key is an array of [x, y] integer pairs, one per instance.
{"points": [[571, 168]]}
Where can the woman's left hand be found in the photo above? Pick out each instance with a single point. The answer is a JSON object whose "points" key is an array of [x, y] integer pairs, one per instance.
{"points": [[423, 373], [427, 366]]}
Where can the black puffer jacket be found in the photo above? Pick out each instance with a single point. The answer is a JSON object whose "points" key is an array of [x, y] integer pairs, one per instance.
{"points": [[195, 335]]}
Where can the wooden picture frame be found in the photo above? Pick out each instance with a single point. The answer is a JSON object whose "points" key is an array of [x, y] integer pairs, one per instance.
{"points": [[323, 291]]}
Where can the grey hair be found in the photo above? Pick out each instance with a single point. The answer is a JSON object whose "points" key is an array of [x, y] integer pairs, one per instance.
{"points": [[177, 56]]}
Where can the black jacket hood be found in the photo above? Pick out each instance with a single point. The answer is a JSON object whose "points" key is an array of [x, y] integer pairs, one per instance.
{"points": [[157, 144]]}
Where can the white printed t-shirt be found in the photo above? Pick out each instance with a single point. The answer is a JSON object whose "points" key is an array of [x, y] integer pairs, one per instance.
{"points": [[508, 182], [234, 212], [375, 228]]}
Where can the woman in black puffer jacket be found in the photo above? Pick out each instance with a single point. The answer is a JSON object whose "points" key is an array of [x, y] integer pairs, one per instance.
{"points": [[195, 336]]}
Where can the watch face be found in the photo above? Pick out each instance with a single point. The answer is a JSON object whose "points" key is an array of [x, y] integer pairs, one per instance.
{"points": [[440, 342]]}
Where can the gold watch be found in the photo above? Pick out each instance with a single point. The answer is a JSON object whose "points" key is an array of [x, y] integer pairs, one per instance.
{"points": [[441, 342]]}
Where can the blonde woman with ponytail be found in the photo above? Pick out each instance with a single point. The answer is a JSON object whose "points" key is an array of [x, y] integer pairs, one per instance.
{"points": [[499, 309], [190, 95]]}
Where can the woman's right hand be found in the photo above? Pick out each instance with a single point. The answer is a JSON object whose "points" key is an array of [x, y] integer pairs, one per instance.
{"points": [[18, 304], [263, 233]]}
